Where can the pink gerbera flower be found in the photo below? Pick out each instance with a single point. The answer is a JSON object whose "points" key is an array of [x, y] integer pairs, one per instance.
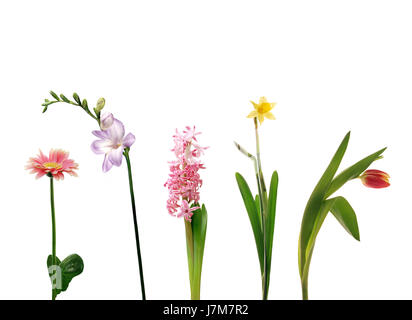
{"points": [[54, 165]]}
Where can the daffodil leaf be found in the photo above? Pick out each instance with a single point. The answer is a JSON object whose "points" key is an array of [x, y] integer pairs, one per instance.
{"points": [[316, 200], [253, 217], [257, 203], [353, 171], [270, 222], [346, 216]]}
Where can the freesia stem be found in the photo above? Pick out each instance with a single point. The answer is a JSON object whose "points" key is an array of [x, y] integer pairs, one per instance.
{"points": [[53, 232], [139, 256]]}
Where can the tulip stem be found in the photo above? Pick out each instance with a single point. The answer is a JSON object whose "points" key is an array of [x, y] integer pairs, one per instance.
{"points": [[139, 256], [54, 293]]}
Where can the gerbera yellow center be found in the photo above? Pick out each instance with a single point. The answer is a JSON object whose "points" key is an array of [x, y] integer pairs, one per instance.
{"points": [[52, 165]]}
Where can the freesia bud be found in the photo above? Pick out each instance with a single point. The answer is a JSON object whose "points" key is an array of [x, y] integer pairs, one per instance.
{"points": [[375, 179], [106, 120], [100, 105]]}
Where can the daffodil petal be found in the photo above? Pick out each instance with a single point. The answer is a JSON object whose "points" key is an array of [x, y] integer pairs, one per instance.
{"points": [[270, 115], [262, 100], [255, 105], [261, 118], [253, 114]]}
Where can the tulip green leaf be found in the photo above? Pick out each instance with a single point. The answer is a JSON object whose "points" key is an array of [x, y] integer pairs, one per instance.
{"points": [[346, 216], [252, 211], [312, 210], [353, 171]]}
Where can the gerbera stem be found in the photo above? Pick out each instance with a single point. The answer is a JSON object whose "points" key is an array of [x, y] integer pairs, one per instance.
{"points": [[54, 294], [139, 256], [263, 210]]}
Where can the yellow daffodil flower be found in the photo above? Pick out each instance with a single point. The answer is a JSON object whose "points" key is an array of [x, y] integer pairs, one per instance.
{"points": [[262, 110]]}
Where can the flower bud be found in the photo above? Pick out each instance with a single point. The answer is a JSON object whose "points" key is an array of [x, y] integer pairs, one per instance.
{"points": [[100, 105], [106, 120], [375, 179]]}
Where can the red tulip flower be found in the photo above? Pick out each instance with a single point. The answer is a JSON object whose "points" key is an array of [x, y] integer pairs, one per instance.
{"points": [[375, 179]]}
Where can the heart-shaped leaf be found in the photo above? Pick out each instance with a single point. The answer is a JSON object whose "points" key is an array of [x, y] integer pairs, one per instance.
{"points": [[64, 271]]}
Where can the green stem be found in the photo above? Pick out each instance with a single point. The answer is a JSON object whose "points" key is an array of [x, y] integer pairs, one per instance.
{"points": [[54, 293], [305, 295], [139, 256], [263, 210], [194, 281]]}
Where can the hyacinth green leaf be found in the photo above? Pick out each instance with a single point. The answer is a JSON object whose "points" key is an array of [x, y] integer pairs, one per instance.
{"points": [[346, 216], [270, 221], [312, 211], [199, 227], [353, 171], [253, 217]]}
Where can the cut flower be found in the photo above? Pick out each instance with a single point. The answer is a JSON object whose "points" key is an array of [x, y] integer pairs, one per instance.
{"points": [[54, 165], [262, 110], [375, 179], [112, 144]]}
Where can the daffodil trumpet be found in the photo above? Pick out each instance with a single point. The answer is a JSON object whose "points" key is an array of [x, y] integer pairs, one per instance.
{"points": [[320, 204], [261, 209], [114, 144], [54, 166]]}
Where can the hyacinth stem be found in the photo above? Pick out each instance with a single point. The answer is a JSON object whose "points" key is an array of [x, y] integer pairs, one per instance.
{"points": [[53, 216], [263, 209], [139, 256], [194, 280]]}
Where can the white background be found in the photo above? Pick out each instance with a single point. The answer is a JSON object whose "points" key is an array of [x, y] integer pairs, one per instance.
{"points": [[332, 66]]}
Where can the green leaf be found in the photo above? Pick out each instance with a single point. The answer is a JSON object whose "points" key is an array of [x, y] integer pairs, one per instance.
{"points": [[320, 217], [346, 216], [71, 267], [253, 217], [270, 222], [199, 227], [312, 210], [257, 204], [353, 171], [65, 271]]}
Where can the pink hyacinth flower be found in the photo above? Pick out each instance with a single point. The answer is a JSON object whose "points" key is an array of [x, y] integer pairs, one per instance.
{"points": [[112, 144], [184, 180], [54, 165]]}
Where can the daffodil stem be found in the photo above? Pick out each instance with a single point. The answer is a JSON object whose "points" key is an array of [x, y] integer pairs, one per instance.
{"points": [[53, 216], [263, 209], [139, 256]]}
